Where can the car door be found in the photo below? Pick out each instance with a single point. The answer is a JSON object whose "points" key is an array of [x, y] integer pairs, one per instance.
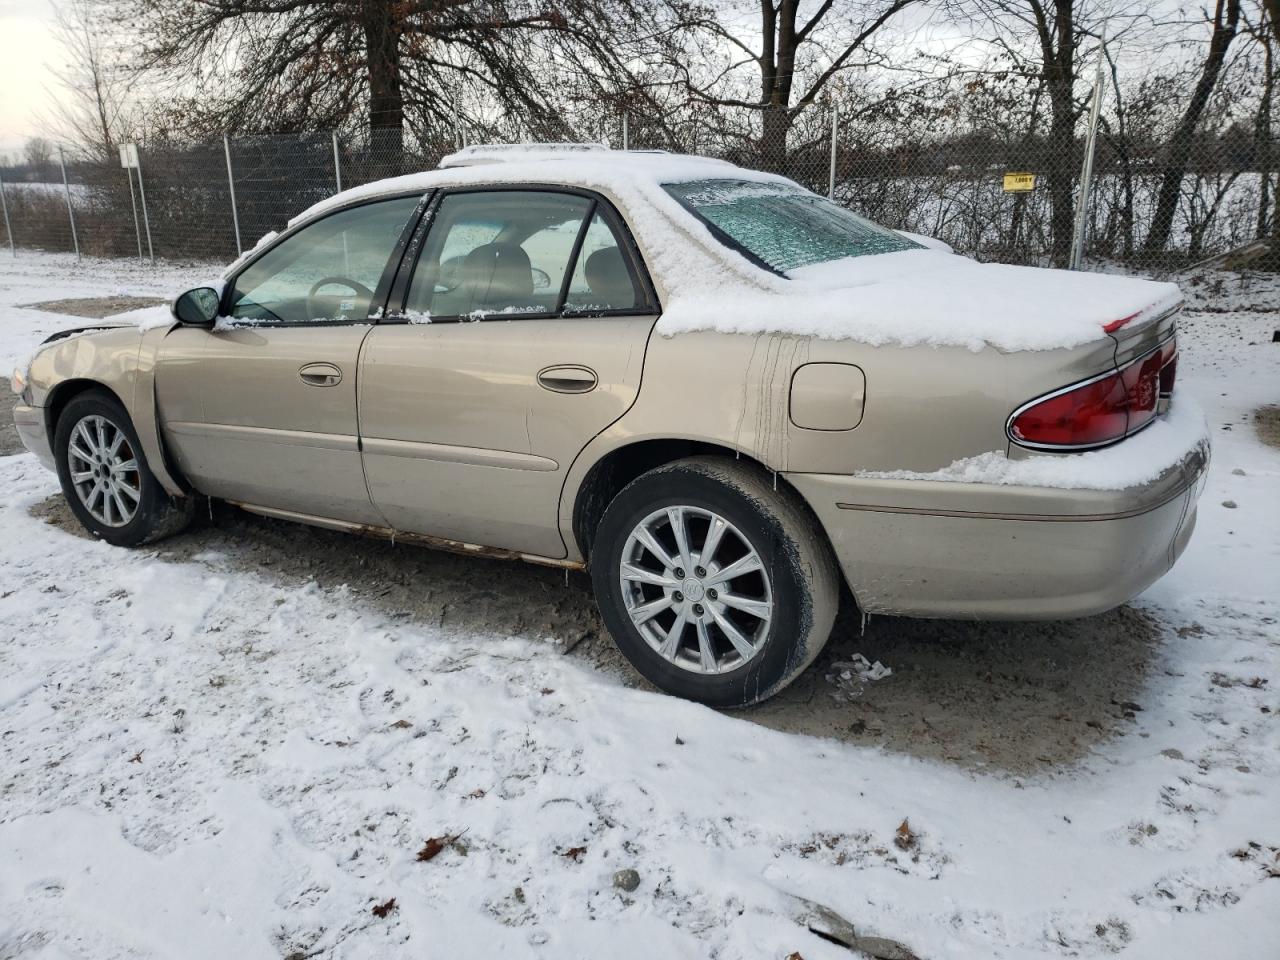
{"points": [[519, 335], [262, 407]]}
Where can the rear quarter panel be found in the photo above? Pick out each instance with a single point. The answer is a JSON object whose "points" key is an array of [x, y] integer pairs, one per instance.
{"points": [[925, 406]]}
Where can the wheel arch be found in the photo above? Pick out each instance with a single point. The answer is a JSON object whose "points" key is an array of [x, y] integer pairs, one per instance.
{"points": [[63, 393], [145, 419], [617, 467]]}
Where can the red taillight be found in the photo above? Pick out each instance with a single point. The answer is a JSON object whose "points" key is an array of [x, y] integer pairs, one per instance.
{"points": [[1102, 410]]}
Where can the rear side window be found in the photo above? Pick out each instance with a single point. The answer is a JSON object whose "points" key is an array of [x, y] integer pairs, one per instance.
{"points": [[782, 226], [601, 279], [327, 271], [504, 253]]}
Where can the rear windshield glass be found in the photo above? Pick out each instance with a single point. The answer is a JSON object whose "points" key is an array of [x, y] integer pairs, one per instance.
{"points": [[781, 226]]}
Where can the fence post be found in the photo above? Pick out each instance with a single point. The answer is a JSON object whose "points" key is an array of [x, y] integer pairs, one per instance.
{"points": [[133, 203], [231, 184], [8, 227], [835, 129], [1086, 168], [626, 137], [146, 219], [337, 163], [71, 214]]}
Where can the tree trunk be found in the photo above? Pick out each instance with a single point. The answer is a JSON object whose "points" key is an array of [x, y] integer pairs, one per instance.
{"points": [[777, 65], [386, 105], [1058, 51], [1062, 181], [777, 126], [1224, 31]]}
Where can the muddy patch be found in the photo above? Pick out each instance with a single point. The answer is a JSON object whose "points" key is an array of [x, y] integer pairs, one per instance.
{"points": [[1266, 420], [9, 441], [1012, 697], [94, 308], [1006, 698]]}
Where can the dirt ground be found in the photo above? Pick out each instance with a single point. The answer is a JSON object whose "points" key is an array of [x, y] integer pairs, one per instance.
{"points": [[1267, 422], [94, 308], [1009, 699], [9, 442]]}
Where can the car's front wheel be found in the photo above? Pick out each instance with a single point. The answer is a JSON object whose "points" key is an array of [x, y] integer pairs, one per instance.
{"points": [[717, 587], [105, 477]]}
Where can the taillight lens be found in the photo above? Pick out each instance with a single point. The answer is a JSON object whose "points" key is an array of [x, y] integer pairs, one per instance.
{"points": [[1099, 411]]}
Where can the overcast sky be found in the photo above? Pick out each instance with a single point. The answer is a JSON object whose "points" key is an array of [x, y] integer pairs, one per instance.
{"points": [[26, 50]]}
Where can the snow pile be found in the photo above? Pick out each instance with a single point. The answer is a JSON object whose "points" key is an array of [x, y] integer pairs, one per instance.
{"points": [[1130, 463], [850, 677], [906, 298], [147, 318]]}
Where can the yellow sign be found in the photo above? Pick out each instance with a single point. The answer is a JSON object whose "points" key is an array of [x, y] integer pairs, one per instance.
{"points": [[1018, 182]]}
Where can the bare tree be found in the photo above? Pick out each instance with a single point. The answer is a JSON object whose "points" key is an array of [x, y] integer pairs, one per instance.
{"points": [[280, 65], [95, 87], [1225, 21], [794, 58], [39, 153]]}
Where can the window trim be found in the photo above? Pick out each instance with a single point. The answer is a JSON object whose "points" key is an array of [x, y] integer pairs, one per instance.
{"points": [[377, 305], [648, 300]]}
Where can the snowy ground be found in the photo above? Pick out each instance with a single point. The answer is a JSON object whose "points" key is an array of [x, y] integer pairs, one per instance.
{"points": [[237, 745]]}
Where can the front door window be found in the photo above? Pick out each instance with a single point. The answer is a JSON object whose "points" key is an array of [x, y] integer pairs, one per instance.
{"points": [[327, 271]]}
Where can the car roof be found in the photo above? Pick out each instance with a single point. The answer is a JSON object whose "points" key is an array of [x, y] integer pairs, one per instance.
{"points": [[589, 166]]}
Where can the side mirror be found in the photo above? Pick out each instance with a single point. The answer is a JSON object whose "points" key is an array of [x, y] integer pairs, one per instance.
{"points": [[197, 308]]}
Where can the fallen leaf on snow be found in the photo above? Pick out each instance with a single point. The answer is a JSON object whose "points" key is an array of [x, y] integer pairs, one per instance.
{"points": [[431, 849], [382, 909], [574, 853], [905, 839]]}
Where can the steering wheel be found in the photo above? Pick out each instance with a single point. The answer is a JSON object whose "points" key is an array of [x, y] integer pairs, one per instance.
{"points": [[314, 312]]}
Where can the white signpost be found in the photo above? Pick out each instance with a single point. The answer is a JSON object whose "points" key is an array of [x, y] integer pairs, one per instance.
{"points": [[130, 160]]}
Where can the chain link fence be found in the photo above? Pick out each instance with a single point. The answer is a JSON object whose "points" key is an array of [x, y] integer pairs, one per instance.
{"points": [[209, 200]]}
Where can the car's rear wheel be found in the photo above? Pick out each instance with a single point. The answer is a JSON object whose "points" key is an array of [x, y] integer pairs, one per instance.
{"points": [[105, 476], [717, 587]]}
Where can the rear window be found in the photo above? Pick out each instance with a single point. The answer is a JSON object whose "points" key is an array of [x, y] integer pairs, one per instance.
{"points": [[781, 226]]}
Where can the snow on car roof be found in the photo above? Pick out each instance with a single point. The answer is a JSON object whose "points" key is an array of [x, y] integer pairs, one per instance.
{"points": [[905, 298]]}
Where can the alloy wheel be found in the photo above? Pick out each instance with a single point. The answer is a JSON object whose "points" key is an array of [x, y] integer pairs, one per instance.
{"points": [[696, 589], [104, 470]]}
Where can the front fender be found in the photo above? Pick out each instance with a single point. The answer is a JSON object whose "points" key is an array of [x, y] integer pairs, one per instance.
{"points": [[121, 360]]}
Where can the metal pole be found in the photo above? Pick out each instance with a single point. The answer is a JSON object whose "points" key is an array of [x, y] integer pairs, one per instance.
{"points": [[337, 164], [626, 137], [133, 202], [71, 214], [146, 219], [1086, 168], [231, 183], [8, 227], [835, 129]]}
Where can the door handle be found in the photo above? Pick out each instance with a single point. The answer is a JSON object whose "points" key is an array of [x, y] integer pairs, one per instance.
{"points": [[320, 375], [568, 378]]}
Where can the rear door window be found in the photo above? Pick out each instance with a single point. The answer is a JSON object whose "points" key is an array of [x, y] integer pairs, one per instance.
{"points": [[602, 281], [500, 253]]}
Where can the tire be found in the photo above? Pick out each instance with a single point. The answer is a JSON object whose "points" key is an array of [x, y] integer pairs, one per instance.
{"points": [[797, 585], [155, 514]]}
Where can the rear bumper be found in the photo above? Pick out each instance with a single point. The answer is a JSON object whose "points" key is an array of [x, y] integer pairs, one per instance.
{"points": [[31, 431], [945, 549]]}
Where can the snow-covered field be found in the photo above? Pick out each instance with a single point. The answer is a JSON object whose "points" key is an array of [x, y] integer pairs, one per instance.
{"points": [[203, 758]]}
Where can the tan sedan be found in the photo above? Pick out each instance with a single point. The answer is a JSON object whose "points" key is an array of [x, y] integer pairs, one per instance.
{"points": [[721, 394]]}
